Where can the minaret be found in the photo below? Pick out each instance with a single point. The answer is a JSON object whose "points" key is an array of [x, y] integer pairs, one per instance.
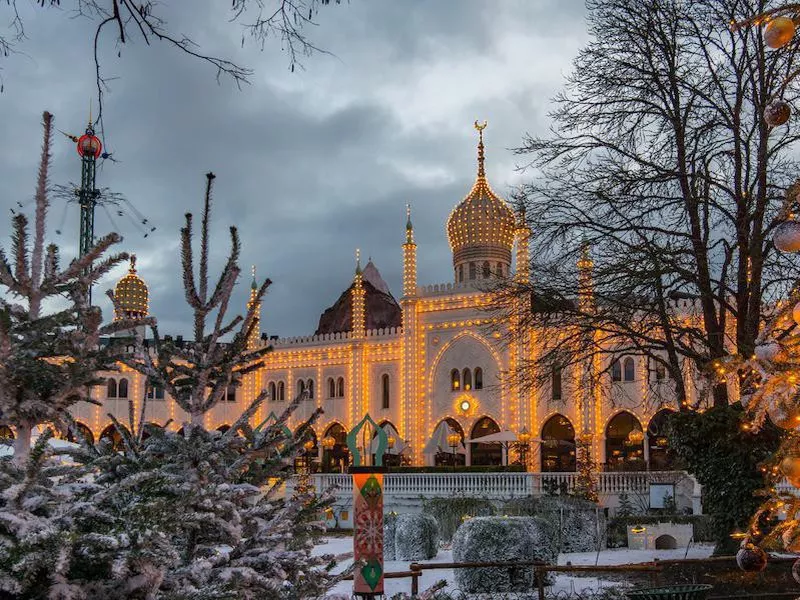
{"points": [[411, 417], [585, 279], [409, 258], [255, 333], [358, 299], [523, 235]]}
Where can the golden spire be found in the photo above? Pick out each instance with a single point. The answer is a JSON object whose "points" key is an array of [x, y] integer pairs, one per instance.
{"points": [[132, 268], [358, 261], [409, 226], [253, 285], [480, 128]]}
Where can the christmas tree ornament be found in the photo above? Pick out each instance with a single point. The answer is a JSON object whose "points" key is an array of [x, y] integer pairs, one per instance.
{"points": [[751, 558], [783, 416], [796, 313], [778, 32], [767, 351], [777, 113], [787, 236], [790, 467], [791, 542]]}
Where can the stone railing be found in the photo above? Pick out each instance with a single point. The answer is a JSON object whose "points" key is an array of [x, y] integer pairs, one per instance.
{"points": [[498, 485]]}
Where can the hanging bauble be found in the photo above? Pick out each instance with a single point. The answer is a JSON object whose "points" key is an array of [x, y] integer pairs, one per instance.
{"points": [[790, 467], [751, 558], [787, 236], [767, 351], [777, 113], [796, 313], [778, 32], [785, 413]]}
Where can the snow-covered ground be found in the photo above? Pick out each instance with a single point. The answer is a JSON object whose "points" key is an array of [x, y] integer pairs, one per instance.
{"points": [[563, 583]]}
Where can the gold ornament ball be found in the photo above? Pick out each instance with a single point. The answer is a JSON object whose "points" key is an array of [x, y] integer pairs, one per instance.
{"points": [[787, 236], [783, 416], [796, 313], [777, 113], [790, 467], [778, 32]]}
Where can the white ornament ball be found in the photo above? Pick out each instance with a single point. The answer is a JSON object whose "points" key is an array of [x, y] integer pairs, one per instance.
{"points": [[787, 236], [767, 351]]}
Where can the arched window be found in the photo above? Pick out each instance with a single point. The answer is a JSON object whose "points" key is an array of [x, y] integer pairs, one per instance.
{"points": [[460, 273], [629, 369], [472, 270], [478, 378], [122, 389], [385, 390], [455, 380], [230, 393], [331, 388], [487, 270], [111, 388], [624, 443], [447, 455], [301, 386], [340, 387], [338, 457], [273, 392], [556, 384], [558, 445], [660, 457], [310, 388], [485, 454], [466, 378], [616, 370], [499, 269], [85, 432], [112, 434], [281, 391]]}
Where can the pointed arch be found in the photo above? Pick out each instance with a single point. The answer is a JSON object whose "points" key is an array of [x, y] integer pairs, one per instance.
{"points": [[301, 387], [336, 458], [340, 387], [628, 369], [558, 444], [310, 388], [111, 388], [485, 454], [281, 391], [660, 457], [624, 443], [455, 380], [466, 378], [331, 388], [122, 388], [478, 378], [273, 391], [112, 434], [616, 370], [385, 391]]}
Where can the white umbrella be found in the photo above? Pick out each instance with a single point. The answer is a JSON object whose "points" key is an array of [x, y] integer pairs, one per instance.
{"points": [[399, 444], [439, 443], [502, 437]]}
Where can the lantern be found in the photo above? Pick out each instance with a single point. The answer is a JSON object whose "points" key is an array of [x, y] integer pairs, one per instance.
{"points": [[777, 113], [636, 436], [89, 144], [778, 32], [328, 442], [787, 236], [523, 436], [308, 446]]}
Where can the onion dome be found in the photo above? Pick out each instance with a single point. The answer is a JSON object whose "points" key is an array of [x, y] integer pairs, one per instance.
{"points": [[481, 228], [131, 295]]}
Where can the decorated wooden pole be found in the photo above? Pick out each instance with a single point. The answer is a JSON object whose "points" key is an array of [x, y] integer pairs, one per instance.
{"points": [[367, 506]]}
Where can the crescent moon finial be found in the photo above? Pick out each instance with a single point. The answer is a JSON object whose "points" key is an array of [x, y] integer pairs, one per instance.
{"points": [[480, 127]]}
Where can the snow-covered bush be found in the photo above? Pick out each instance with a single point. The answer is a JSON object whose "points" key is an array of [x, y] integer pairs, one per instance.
{"points": [[581, 525], [451, 512], [416, 537], [389, 524], [489, 539]]}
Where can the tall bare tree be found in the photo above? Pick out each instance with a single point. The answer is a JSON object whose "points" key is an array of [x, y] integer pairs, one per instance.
{"points": [[660, 162]]}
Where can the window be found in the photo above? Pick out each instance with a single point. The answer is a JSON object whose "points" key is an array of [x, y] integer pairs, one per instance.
{"points": [[273, 391], [111, 388], [467, 380], [616, 370], [499, 269], [230, 393], [472, 270], [661, 372], [281, 391], [331, 388], [455, 380], [629, 370], [310, 388], [460, 273], [122, 389], [340, 387], [478, 378], [301, 386], [487, 270], [556, 384], [385, 391]]}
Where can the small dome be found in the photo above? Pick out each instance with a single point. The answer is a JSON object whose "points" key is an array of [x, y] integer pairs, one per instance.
{"points": [[482, 225], [132, 295]]}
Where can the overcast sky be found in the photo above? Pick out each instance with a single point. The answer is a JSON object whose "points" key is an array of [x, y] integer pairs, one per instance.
{"points": [[310, 165]]}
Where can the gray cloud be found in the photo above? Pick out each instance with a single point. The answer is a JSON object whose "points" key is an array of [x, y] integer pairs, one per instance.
{"points": [[310, 164]]}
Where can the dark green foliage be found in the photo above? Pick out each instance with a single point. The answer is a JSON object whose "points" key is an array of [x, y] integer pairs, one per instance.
{"points": [[725, 460], [451, 512]]}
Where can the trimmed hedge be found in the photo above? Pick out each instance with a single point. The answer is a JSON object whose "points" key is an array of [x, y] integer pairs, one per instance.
{"points": [[451, 512]]}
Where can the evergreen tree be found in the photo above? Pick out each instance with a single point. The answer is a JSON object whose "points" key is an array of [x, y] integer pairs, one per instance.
{"points": [[585, 482], [37, 383]]}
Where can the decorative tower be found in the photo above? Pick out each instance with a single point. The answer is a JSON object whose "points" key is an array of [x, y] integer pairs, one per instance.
{"points": [[410, 418], [589, 394], [585, 267], [359, 394], [523, 238], [481, 229], [255, 333], [521, 398], [131, 295]]}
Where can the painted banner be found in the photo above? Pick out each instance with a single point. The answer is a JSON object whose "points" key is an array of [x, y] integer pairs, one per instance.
{"points": [[368, 533]]}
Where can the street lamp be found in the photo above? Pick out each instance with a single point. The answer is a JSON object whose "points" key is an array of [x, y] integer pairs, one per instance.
{"points": [[453, 440], [328, 443], [308, 446]]}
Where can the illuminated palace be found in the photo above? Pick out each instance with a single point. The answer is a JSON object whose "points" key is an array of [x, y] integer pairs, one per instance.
{"points": [[429, 367]]}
